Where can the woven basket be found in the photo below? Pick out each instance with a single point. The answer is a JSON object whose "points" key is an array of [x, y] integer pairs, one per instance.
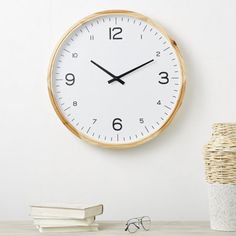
{"points": [[220, 154]]}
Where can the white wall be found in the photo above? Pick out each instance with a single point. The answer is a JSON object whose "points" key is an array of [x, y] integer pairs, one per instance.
{"points": [[42, 161]]}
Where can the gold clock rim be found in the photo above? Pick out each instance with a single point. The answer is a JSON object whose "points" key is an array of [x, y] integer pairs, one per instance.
{"points": [[80, 23]]}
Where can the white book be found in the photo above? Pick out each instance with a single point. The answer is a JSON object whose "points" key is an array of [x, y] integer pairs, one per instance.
{"points": [[91, 228], [52, 222], [75, 211]]}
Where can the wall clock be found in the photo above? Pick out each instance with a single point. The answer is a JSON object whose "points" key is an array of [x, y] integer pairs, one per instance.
{"points": [[116, 79]]}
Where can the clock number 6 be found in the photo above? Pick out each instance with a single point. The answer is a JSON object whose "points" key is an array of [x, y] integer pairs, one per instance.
{"points": [[70, 79], [116, 124], [164, 78]]}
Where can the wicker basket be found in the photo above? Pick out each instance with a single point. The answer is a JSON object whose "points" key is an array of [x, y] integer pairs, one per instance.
{"points": [[220, 154], [220, 169]]}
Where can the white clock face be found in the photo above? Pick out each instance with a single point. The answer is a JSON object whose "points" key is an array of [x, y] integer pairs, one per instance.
{"points": [[116, 79]]}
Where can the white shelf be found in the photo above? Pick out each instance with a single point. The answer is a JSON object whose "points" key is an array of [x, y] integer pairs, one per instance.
{"points": [[26, 228]]}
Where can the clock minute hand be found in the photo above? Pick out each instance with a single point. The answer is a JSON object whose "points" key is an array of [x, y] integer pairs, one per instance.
{"points": [[128, 72], [108, 72]]}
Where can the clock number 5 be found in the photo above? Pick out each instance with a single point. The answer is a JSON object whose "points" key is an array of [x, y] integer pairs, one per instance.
{"points": [[70, 79], [116, 124], [113, 33], [164, 78]]}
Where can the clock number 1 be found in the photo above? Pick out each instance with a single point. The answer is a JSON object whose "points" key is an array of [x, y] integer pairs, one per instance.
{"points": [[116, 124], [113, 33]]}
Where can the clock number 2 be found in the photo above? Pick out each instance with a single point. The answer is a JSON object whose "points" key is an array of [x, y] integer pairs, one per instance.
{"points": [[70, 79], [164, 78], [113, 33], [116, 124]]}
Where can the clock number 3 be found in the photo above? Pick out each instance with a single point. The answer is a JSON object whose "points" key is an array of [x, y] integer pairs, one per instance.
{"points": [[164, 78], [113, 33], [116, 124], [70, 79]]}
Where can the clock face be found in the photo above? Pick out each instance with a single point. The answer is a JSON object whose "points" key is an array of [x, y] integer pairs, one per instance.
{"points": [[116, 79]]}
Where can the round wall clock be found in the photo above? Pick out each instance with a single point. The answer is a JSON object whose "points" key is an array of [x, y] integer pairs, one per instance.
{"points": [[116, 79]]}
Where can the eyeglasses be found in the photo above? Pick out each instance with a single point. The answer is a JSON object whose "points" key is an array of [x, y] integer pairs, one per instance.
{"points": [[135, 224]]}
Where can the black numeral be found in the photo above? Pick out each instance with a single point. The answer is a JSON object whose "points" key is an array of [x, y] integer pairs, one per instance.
{"points": [[94, 121], [141, 120], [159, 102], [70, 79], [164, 78], [113, 33], [75, 103], [158, 53], [116, 124], [74, 55]]}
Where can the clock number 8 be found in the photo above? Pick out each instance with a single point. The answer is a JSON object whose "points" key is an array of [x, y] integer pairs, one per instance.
{"points": [[116, 124], [164, 78], [70, 79]]}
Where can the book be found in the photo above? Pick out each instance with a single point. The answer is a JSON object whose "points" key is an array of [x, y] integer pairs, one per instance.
{"points": [[74, 211], [91, 228], [54, 222]]}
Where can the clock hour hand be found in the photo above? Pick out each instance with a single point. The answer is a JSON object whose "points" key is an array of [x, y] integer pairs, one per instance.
{"points": [[108, 72], [128, 72]]}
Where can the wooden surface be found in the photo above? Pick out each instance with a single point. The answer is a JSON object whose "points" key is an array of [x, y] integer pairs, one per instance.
{"points": [[26, 228]]}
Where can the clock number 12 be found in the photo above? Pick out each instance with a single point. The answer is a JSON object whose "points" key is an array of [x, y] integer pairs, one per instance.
{"points": [[113, 33]]}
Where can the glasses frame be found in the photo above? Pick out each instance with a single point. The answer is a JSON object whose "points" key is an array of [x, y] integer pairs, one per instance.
{"points": [[138, 223]]}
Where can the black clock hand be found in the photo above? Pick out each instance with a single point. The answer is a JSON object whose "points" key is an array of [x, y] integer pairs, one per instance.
{"points": [[126, 73], [108, 72]]}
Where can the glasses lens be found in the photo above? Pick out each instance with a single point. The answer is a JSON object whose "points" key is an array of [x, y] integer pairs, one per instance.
{"points": [[132, 227], [146, 222]]}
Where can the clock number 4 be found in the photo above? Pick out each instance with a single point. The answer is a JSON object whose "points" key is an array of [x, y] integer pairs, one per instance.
{"points": [[164, 78], [116, 124], [70, 79], [114, 32]]}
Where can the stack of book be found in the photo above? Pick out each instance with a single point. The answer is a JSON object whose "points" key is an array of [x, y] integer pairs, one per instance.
{"points": [[66, 217]]}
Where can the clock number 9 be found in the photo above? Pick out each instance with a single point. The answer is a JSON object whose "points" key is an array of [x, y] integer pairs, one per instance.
{"points": [[164, 78], [116, 124], [70, 79]]}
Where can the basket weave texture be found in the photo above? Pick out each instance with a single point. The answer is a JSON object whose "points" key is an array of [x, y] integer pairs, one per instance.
{"points": [[220, 154]]}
